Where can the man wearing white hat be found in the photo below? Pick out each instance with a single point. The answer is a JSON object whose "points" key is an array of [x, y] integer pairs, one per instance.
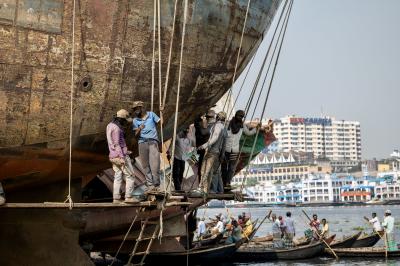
{"points": [[119, 157], [388, 225]]}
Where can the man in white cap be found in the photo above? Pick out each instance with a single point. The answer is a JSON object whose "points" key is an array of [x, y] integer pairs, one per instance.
{"points": [[388, 225], [119, 157], [145, 128]]}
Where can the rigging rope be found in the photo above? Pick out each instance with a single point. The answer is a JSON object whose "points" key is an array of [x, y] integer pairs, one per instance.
{"points": [[255, 86], [237, 61], [169, 55], [284, 28], [153, 60], [69, 198], [176, 106]]}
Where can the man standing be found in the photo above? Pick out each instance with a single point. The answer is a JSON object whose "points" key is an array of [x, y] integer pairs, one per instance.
{"points": [[203, 125], [375, 222], [145, 128], [183, 146], [388, 225], [201, 228], [290, 230], [232, 147], [213, 148], [119, 157], [276, 232]]}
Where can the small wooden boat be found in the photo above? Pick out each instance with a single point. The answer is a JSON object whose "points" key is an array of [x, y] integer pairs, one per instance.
{"points": [[366, 241], [195, 255], [260, 252], [302, 241], [378, 252], [266, 238], [346, 242], [212, 240]]}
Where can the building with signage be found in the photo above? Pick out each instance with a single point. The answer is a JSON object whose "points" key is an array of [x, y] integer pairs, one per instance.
{"points": [[336, 140]]}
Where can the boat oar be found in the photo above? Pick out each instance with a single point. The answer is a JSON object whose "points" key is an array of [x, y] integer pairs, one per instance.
{"points": [[259, 225], [386, 243], [384, 236], [320, 237]]}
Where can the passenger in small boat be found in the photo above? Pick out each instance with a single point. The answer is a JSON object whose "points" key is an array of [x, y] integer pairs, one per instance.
{"points": [[201, 229], [374, 222], [388, 225], [235, 233], [248, 227], [325, 228], [315, 223], [289, 231], [276, 231], [219, 227]]}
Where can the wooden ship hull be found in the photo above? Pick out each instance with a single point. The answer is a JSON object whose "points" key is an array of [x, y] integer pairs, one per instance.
{"points": [[113, 59]]}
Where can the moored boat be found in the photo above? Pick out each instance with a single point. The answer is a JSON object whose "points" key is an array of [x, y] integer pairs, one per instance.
{"points": [[264, 252], [345, 242], [366, 241], [378, 252]]}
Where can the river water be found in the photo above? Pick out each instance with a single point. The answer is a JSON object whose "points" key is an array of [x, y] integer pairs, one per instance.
{"points": [[343, 221]]}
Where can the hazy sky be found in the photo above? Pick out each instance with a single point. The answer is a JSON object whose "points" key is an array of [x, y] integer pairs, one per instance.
{"points": [[341, 57]]}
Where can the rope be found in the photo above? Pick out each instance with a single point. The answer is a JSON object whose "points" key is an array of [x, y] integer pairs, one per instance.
{"points": [[284, 28], [170, 54], [237, 60], [176, 109], [159, 49], [69, 198], [254, 89], [153, 58]]}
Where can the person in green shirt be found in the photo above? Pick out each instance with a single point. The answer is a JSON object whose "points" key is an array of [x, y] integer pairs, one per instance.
{"points": [[388, 225]]}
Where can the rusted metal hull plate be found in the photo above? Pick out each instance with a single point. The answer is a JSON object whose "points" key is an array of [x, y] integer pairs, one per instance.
{"points": [[113, 50]]}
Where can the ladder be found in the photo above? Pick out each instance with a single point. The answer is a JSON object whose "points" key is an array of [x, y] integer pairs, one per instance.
{"points": [[141, 238]]}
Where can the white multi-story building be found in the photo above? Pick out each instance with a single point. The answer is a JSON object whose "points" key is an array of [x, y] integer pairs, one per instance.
{"points": [[387, 191], [337, 140]]}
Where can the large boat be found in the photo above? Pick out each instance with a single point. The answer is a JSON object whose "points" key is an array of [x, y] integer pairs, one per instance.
{"points": [[113, 51]]}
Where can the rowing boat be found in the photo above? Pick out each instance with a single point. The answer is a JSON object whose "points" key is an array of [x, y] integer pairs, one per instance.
{"points": [[366, 241], [264, 252], [347, 242], [378, 252]]}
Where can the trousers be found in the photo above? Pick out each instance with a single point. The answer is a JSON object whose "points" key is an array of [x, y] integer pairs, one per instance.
{"points": [[177, 173], [149, 155], [123, 172], [208, 167]]}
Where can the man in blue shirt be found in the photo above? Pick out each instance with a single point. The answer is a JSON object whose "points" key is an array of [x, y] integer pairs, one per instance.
{"points": [[145, 128]]}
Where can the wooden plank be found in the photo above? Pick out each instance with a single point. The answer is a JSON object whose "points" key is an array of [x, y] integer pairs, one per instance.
{"points": [[61, 205], [56, 205]]}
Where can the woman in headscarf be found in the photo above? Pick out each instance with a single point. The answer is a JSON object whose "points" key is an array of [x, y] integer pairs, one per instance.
{"points": [[236, 128]]}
